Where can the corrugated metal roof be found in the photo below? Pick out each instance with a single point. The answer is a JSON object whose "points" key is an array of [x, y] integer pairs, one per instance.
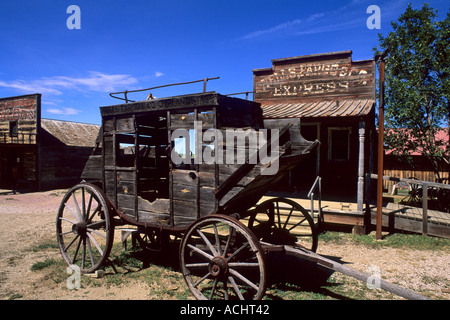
{"points": [[334, 108], [72, 133]]}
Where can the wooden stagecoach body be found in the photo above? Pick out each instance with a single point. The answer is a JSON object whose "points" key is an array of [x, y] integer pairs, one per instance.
{"points": [[148, 189]]}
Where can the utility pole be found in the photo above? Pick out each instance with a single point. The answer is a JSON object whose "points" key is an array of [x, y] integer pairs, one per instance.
{"points": [[380, 59]]}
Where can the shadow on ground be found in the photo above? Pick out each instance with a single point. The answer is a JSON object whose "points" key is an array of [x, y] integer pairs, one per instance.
{"points": [[285, 272]]}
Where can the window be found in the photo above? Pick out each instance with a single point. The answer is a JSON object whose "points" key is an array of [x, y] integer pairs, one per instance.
{"points": [[339, 144], [13, 129]]}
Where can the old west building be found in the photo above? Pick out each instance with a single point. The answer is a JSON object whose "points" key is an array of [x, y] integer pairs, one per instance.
{"points": [[37, 153], [335, 99]]}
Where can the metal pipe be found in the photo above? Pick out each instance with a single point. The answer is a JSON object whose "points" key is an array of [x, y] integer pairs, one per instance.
{"points": [[205, 80]]}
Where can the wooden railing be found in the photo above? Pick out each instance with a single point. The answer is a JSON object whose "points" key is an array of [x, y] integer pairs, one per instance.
{"points": [[426, 185]]}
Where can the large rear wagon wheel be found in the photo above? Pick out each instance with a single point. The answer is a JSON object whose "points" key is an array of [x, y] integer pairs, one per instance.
{"points": [[221, 259], [84, 228], [284, 221]]}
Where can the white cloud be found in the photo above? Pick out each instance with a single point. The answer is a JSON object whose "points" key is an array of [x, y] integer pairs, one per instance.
{"points": [[63, 111], [345, 17], [158, 74], [95, 81]]}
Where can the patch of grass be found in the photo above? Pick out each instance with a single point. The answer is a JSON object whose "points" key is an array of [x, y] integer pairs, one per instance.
{"points": [[45, 246], [15, 296], [418, 242], [42, 264], [397, 240]]}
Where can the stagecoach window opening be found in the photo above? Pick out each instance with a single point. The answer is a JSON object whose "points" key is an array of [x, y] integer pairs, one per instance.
{"points": [[184, 147], [126, 150], [151, 159], [339, 144]]}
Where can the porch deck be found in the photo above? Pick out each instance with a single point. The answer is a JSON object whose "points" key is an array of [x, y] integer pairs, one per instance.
{"points": [[395, 216]]}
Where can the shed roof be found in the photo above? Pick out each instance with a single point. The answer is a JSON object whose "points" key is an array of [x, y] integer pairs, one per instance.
{"points": [[331, 108], [74, 134]]}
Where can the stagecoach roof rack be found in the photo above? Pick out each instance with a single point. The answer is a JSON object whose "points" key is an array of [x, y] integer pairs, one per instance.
{"points": [[150, 96]]}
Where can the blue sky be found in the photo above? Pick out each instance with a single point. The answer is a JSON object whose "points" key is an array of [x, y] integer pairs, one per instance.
{"points": [[126, 45]]}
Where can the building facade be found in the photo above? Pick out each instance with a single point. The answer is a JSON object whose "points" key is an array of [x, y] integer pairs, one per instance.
{"points": [[39, 154], [334, 97]]}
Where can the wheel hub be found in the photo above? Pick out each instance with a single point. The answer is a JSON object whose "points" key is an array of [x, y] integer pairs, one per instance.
{"points": [[80, 228], [218, 267]]}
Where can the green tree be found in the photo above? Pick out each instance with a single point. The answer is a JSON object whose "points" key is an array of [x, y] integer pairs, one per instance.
{"points": [[417, 84]]}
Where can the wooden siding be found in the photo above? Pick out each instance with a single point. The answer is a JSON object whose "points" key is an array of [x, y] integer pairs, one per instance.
{"points": [[24, 113]]}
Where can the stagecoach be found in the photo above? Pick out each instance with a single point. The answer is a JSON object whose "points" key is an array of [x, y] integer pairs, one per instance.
{"points": [[144, 176]]}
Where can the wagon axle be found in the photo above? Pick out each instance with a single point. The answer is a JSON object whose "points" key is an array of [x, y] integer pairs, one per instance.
{"points": [[80, 229]]}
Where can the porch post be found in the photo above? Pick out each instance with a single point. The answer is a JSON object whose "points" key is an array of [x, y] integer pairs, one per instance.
{"points": [[360, 194]]}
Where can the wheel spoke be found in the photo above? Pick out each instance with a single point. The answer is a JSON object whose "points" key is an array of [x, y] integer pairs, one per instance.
{"points": [[243, 279], [70, 244], [197, 265], [278, 214], [83, 204], [68, 220], [289, 217], [95, 243], [243, 264], [201, 252], [72, 212], [227, 245], [297, 224], [91, 254], [76, 251], [83, 259], [201, 279], [213, 288], [80, 216], [237, 251], [235, 287], [97, 233], [93, 213], [88, 209], [216, 234], [207, 242]]}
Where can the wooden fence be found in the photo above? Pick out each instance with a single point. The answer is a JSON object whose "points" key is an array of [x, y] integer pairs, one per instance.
{"points": [[417, 168]]}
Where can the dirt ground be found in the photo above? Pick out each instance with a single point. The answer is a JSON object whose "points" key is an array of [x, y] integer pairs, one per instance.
{"points": [[28, 222]]}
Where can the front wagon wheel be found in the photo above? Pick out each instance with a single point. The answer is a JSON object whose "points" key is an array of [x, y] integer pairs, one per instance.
{"points": [[221, 259], [84, 228]]}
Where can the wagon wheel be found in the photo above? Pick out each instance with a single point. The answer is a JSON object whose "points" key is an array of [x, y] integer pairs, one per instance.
{"points": [[415, 194], [222, 259], [443, 196], [84, 228], [284, 221]]}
